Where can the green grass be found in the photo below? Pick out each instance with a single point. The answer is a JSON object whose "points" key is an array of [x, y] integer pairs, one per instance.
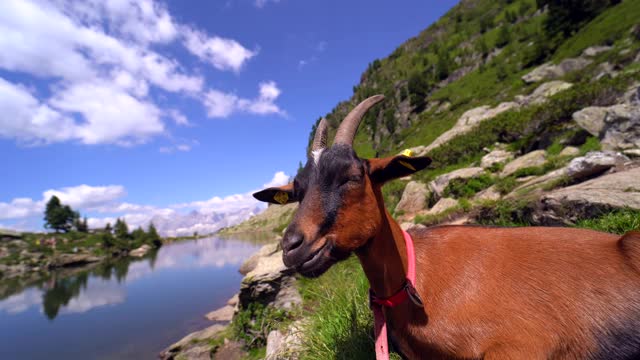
{"points": [[606, 28], [617, 222], [340, 323], [591, 144], [252, 325]]}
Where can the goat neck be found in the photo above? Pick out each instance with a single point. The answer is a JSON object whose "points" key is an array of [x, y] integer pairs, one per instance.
{"points": [[384, 258]]}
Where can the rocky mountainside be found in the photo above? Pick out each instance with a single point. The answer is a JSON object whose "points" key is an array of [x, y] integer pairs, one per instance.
{"points": [[531, 114]]}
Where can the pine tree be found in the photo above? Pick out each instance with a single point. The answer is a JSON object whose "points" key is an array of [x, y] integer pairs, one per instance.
{"points": [[80, 224], [108, 229], [153, 237], [121, 229]]}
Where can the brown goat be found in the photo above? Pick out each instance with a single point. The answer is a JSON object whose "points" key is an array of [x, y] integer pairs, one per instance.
{"points": [[493, 293]]}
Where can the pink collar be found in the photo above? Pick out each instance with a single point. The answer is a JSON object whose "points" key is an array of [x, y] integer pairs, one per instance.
{"points": [[408, 290]]}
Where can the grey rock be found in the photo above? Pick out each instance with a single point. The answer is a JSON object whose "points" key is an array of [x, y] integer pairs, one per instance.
{"points": [[591, 119], [595, 50], [223, 314], [488, 194], [552, 71], [141, 251], [187, 343], [605, 69], [534, 158], [438, 185], [495, 157], [442, 205], [408, 225], [569, 151], [617, 126], [64, 260], [468, 121], [592, 198], [233, 301], [269, 283], [287, 345], [544, 91], [538, 182], [594, 163], [414, 198], [252, 261], [632, 153]]}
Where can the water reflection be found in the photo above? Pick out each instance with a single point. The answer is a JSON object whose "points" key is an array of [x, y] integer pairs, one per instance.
{"points": [[105, 283]]}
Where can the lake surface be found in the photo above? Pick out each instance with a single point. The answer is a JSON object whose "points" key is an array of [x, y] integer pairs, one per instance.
{"points": [[126, 309]]}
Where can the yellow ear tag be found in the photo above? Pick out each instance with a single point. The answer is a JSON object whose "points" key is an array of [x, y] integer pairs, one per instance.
{"points": [[407, 165], [407, 152], [281, 197]]}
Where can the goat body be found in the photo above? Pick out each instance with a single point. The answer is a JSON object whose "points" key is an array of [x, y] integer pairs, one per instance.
{"points": [[522, 293]]}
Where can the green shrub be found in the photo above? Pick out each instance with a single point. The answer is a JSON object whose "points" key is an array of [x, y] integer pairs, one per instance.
{"points": [[466, 188], [505, 213], [591, 144], [252, 325], [617, 222]]}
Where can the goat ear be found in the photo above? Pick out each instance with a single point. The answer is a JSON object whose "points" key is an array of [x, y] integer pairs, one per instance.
{"points": [[385, 169], [277, 195]]}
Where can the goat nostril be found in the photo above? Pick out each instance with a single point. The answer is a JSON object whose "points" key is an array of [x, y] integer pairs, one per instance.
{"points": [[291, 242]]}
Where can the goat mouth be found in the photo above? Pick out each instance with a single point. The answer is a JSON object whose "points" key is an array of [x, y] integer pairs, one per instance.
{"points": [[317, 263]]}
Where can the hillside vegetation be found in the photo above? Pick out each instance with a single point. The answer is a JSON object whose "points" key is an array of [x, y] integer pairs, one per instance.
{"points": [[530, 111]]}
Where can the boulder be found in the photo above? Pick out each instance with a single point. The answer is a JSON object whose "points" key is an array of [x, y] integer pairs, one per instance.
{"points": [[569, 151], [264, 283], [534, 158], [591, 119], [408, 225], [595, 50], [495, 157], [64, 260], [252, 261], [468, 121], [549, 70], [285, 345], [141, 251], [617, 126], [542, 92], [632, 153], [594, 163], [189, 342], [223, 314], [538, 182], [591, 198], [605, 69], [442, 205], [488, 194], [438, 185], [414, 198]]}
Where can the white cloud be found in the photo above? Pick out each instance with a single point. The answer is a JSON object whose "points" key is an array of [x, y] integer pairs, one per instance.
{"points": [[112, 116], [279, 179], [223, 54], [179, 117], [24, 118], [203, 216], [222, 105], [97, 58], [83, 197], [262, 3]]}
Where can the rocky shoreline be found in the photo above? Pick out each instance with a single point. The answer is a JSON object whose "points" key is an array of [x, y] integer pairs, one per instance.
{"points": [[267, 282]]}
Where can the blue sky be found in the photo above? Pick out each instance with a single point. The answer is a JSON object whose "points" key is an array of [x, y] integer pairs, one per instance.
{"points": [[126, 107]]}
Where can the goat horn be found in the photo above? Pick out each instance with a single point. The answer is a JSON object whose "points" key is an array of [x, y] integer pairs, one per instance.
{"points": [[320, 139], [347, 130]]}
